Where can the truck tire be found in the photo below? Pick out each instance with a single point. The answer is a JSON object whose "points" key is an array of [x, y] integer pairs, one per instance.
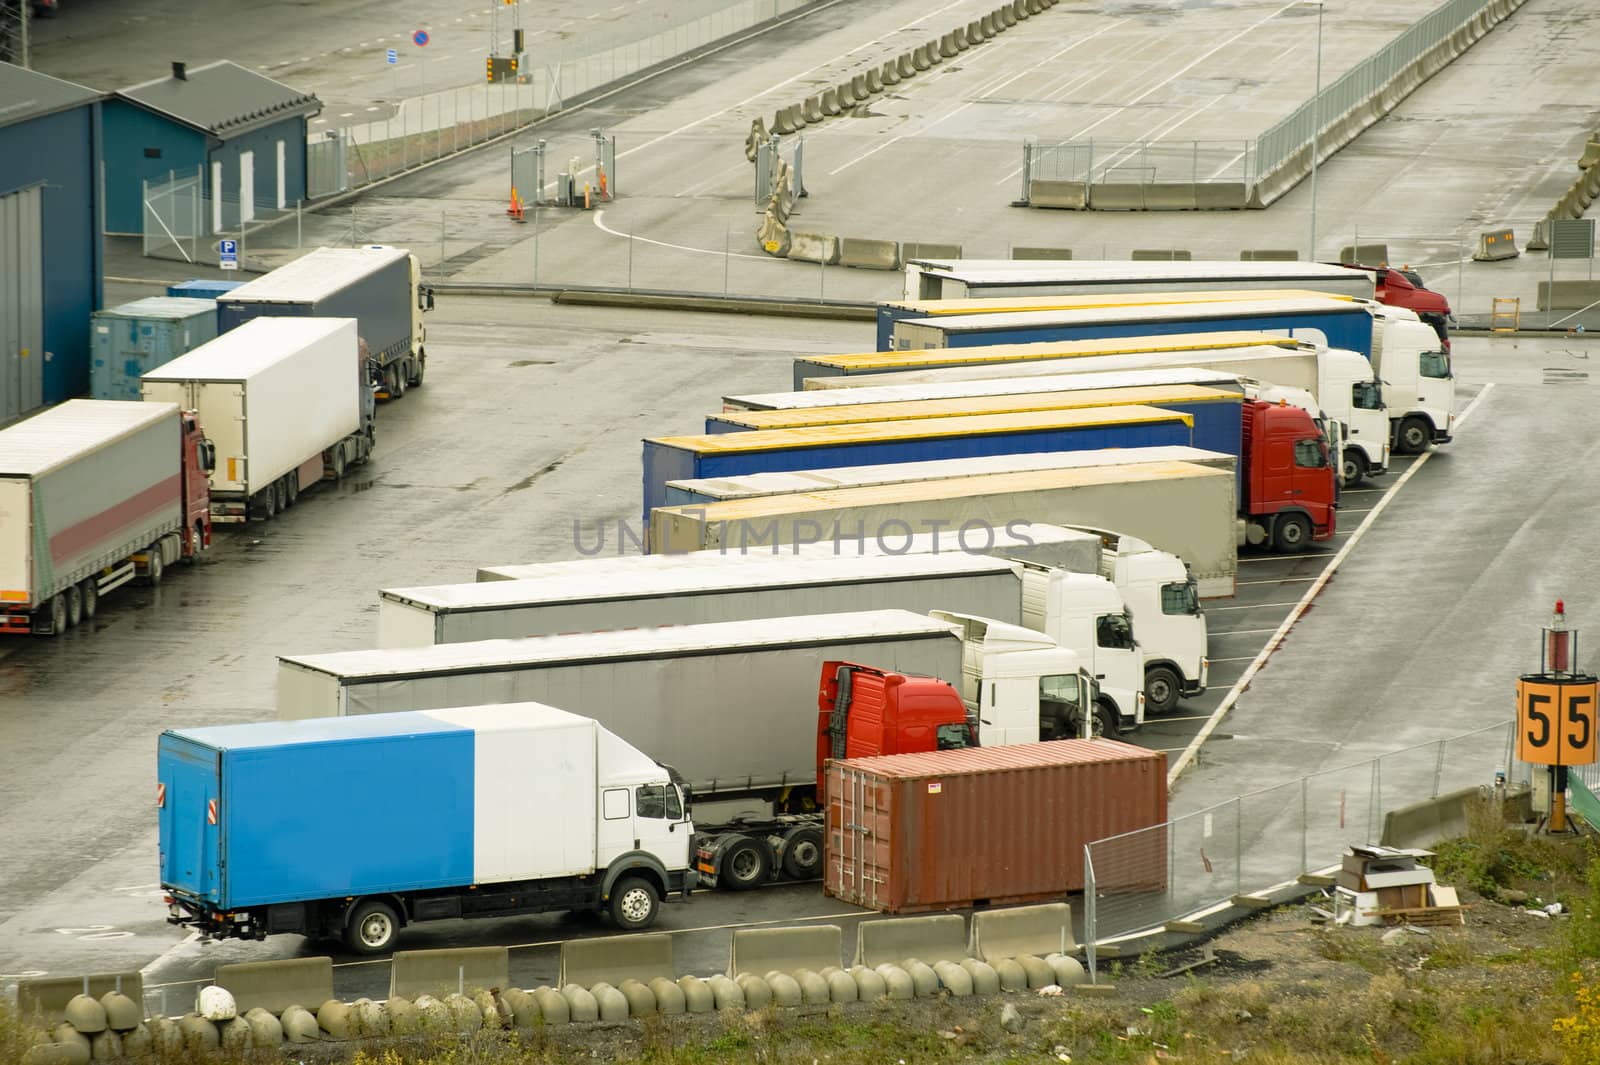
{"points": [[399, 389], [291, 482], [58, 614], [372, 928], [1293, 533], [1355, 466], [746, 865], [802, 854], [1107, 723], [74, 606], [338, 461], [422, 368], [633, 904], [157, 567], [280, 493], [1162, 689], [1413, 437], [91, 598]]}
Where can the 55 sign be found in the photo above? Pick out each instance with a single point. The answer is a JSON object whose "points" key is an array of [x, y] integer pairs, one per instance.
{"points": [[1556, 721]]}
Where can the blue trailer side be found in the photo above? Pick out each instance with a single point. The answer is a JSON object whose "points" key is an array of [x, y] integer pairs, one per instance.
{"points": [[200, 288], [241, 807], [1338, 324], [861, 444]]}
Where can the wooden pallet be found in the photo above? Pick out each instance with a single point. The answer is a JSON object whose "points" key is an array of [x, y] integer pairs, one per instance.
{"points": [[1424, 916]]}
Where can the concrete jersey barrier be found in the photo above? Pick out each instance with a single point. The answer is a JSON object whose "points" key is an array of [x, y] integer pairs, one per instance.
{"points": [[613, 959], [47, 997], [276, 985], [930, 939], [1023, 930], [761, 950], [415, 972]]}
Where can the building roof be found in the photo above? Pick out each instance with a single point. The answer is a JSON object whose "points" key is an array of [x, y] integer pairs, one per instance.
{"points": [[26, 94], [223, 98]]}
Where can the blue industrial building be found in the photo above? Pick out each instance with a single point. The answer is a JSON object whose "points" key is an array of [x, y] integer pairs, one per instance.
{"points": [[237, 136], [50, 255]]}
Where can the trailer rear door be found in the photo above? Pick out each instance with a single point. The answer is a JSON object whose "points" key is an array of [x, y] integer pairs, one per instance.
{"points": [[188, 800]]}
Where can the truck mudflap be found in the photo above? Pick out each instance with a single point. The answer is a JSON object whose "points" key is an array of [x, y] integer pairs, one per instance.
{"points": [[1441, 436]]}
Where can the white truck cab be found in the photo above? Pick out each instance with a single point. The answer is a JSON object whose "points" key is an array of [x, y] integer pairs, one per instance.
{"points": [[1085, 614], [1351, 394], [1418, 384], [1023, 687]]}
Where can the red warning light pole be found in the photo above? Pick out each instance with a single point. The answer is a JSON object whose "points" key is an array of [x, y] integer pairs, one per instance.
{"points": [[1556, 713]]}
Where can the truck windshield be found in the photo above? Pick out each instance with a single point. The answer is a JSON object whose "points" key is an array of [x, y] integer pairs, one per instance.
{"points": [[1366, 395], [1310, 454], [1435, 365], [1180, 598], [1114, 630], [1062, 688], [952, 737], [658, 800]]}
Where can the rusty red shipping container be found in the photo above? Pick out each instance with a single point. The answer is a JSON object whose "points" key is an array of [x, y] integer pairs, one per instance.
{"points": [[991, 825]]}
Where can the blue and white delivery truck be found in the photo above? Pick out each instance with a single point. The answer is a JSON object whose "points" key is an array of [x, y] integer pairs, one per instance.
{"points": [[353, 827]]}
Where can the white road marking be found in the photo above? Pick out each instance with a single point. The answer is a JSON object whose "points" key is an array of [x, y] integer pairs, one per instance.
{"points": [[1280, 558], [598, 215], [1279, 580], [1282, 631], [1215, 661], [1251, 606], [1239, 632]]}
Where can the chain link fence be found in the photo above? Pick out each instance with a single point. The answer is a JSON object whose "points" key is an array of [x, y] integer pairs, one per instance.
{"points": [[1100, 162], [183, 222], [1140, 880]]}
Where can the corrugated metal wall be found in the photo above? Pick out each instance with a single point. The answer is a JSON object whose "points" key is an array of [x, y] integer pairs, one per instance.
{"points": [[21, 303]]}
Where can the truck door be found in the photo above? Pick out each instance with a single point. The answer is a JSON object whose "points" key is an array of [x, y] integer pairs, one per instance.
{"points": [[189, 813], [1313, 488], [614, 834], [658, 820]]}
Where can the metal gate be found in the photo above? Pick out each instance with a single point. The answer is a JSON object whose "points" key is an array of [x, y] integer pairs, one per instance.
{"points": [[527, 174], [175, 216], [326, 170], [21, 303]]}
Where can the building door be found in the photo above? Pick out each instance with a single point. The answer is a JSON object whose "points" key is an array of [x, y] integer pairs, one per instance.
{"points": [[283, 183], [21, 303], [247, 186]]}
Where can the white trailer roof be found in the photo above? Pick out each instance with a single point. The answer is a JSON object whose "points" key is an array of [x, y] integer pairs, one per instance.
{"points": [[241, 353], [1025, 271], [993, 387], [963, 323], [784, 483], [316, 274], [752, 573], [620, 644], [59, 435]]}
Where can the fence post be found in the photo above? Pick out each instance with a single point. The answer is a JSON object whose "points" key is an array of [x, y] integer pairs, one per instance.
{"points": [[1089, 917], [1438, 771], [1375, 799], [1305, 824], [1238, 844]]}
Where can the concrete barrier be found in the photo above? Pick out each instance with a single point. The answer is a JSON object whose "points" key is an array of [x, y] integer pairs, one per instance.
{"points": [[814, 247], [869, 254], [1019, 8], [45, 999], [948, 46], [773, 236], [912, 250], [975, 34], [781, 122], [811, 110], [1370, 254], [963, 38], [931, 939], [1118, 196], [919, 58], [830, 102], [1054, 254], [1067, 195], [1267, 255], [276, 985], [1495, 245], [986, 27], [415, 972], [1568, 295], [1023, 930], [1007, 16], [1424, 824], [613, 959], [1033, 7], [862, 87], [904, 67], [846, 92], [874, 81], [936, 51], [890, 74], [761, 950], [1161, 255], [1221, 196], [756, 137]]}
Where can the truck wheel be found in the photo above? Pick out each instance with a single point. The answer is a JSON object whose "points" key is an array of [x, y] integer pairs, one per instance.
{"points": [[91, 598], [1355, 466], [1106, 723], [338, 461], [1293, 533], [1162, 687], [746, 865], [399, 381], [1414, 436], [802, 854], [422, 368], [157, 567], [291, 483], [372, 929], [633, 904], [74, 606], [58, 614], [280, 493]]}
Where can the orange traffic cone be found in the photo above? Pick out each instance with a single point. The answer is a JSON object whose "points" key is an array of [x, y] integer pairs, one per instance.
{"points": [[605, 191], [515, 210]]}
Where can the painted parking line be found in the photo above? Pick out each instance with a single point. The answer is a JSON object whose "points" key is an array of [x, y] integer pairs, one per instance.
{"points": [[1282, 558], [1219, 661], [1276, 640], [1237, 632], [1252, 606], [1275, 580]]}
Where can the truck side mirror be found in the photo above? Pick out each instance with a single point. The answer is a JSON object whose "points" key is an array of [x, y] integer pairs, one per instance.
{"points": [[427, 299], [208, 456]]}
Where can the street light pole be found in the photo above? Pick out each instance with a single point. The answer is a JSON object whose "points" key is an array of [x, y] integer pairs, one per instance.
{"points": [[1316, 130]]}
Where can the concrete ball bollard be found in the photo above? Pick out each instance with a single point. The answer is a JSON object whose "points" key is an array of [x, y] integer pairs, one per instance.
{"points": [[489, 1009], [813, 988], [670, 999], [165, 1035], [726, 993], [1038, 973], [86, 1015], [216, 1004], [370, 1019], [955, 979], [549, 1006], [524, 1006], [897, 981], [300, 1025], [581, 1003], [1013, 977], [985, 981], [785, 989], [435, 1015], [138, 1042], [924, 981], [841, 985], [199, 1034], [105, 1046], [641, 1000], [57, 1054], [234, 1034], [757, 992], [1069, 971], [333, 1017], [122, 1013], [265, 1029], [697, 996], [613, 1003], [404, 1017], [464, 1013], [870, 984]]}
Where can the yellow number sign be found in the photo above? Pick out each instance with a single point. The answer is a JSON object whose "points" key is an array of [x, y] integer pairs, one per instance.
{"points": [[1556, 722]]}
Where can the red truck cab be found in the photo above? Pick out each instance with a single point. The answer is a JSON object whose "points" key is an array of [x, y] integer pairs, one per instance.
{"points": [[1290, 488], [862, 712], [199, 459], [1403, 287]]}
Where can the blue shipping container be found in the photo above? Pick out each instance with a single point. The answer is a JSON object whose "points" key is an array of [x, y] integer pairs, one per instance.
{"points": [[199, 288], [127, 341], [872, 443], [242, 806], [1334, 323]]}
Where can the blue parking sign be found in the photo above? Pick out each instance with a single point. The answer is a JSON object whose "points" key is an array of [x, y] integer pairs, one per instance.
{"points": [[391, 56], [228, 254]]}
